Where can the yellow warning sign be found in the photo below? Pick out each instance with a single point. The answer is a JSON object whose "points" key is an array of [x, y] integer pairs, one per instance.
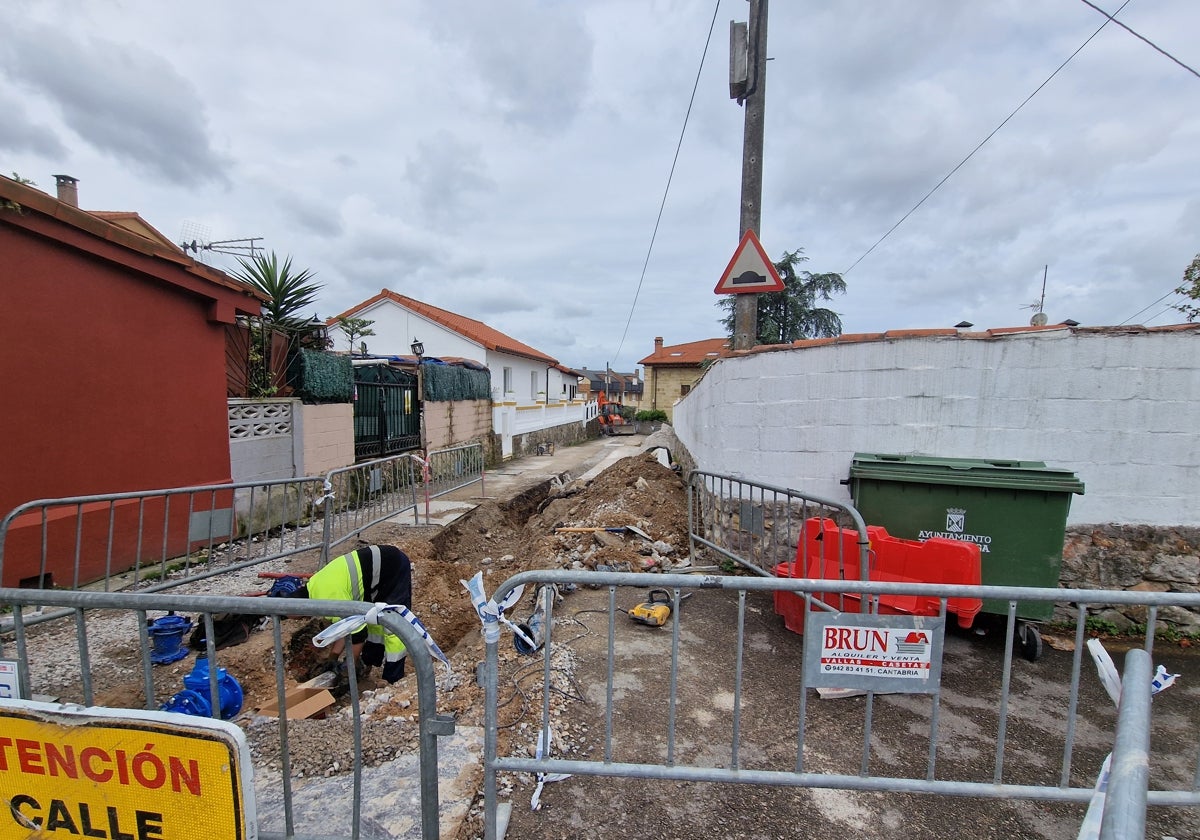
{"points": [[89, 773]]}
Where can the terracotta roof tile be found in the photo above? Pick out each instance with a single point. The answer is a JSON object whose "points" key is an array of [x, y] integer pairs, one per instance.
{"points": [[477, 331], [97, 224], [855, 338], [987, 335], [919, 333], [689, 354]]}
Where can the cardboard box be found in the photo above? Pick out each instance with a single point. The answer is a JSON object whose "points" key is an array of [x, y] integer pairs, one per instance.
{"points": [[302, 702]]}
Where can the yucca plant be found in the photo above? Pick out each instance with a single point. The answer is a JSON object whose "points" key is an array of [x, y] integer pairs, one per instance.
{"points": [[289, 293]]}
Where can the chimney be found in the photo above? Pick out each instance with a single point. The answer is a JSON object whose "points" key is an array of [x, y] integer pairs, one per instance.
{"points": [[68, 189], [657, 343]]}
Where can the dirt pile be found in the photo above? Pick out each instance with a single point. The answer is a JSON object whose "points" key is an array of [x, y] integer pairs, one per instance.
{"points": [[507, 537]]}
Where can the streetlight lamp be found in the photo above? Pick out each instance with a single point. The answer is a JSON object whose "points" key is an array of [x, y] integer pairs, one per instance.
{"points": [[418, 350]]}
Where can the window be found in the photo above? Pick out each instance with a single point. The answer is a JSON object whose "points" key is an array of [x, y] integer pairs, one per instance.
{"points": [[508, 385], [533, 384], [684, 390]]}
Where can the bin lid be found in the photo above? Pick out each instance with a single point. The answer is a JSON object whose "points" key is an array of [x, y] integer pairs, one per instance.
{"points": [[965, 472]]}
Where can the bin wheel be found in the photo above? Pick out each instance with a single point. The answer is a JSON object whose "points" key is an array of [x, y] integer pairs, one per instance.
{"points": [[1031, 642]]}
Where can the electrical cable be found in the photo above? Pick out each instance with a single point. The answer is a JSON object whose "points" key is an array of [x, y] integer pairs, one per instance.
{"points": [[1147, 306], [1159, 315], [670, 177], [1141, 37], [983, 142]]}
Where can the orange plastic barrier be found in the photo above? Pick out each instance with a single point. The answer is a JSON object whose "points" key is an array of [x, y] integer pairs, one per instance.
{"points": [[827, 552]]}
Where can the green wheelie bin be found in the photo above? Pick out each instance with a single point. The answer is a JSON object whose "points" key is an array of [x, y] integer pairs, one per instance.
{"points": [[1015, 511]]}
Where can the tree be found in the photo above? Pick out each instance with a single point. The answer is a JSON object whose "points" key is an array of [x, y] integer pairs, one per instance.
{"points": [[288, 294], [355, 328], [1190, 290], [784, 317]]}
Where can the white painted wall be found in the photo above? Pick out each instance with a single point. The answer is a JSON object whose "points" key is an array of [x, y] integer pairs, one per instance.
{"points": [[395, 328], [1119, 408]]}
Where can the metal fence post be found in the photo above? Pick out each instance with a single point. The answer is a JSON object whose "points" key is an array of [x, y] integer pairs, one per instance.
{"points": [[1125, 802]]}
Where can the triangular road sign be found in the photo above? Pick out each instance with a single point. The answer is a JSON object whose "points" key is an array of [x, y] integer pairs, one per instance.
{"points": [[749, 270]]}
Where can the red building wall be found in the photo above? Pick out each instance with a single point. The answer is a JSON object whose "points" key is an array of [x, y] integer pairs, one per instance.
{"points": [[114, 380]]}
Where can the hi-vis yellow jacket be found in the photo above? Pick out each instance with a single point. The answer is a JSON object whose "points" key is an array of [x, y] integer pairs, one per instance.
{"points": [[341, 579]]}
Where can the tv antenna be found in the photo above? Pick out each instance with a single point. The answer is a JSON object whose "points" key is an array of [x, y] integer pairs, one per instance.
{"points": [[1039, 318], [196, 240]]}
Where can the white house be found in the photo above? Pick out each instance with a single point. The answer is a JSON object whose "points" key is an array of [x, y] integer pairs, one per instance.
{"points": [[530, 391]]}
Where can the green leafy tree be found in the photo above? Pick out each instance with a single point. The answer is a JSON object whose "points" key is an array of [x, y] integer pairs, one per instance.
{"points": [[1190, 290], [784, 317], [355, 328]]}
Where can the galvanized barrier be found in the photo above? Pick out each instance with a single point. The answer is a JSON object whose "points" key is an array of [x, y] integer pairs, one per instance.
{"points": [[456, 467], [37, 677], [366, 494], [159, 539], [739, 522], [637, 753]]}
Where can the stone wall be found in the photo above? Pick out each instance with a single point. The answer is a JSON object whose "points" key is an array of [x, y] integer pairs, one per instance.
{"points": [[564, 435], [1141, 558]]}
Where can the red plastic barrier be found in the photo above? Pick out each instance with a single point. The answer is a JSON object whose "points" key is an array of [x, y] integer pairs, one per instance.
{"points": [[826, 552]]}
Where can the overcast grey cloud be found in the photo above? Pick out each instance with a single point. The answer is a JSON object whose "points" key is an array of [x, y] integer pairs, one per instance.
{"points": [[508, 161], [125, 101], [20, 133]]}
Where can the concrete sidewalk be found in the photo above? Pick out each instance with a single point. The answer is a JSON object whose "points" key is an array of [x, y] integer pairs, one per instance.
{"points": [[515, 476]]}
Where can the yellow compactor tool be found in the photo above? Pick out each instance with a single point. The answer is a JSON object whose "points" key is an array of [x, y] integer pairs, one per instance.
{"points": [[656, 609]]}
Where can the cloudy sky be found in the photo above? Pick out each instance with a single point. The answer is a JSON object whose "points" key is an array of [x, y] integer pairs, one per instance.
{"points": [[507, 160]]}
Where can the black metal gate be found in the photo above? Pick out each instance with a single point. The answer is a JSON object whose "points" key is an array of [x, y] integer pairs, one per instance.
{"points": [[387, 413]]}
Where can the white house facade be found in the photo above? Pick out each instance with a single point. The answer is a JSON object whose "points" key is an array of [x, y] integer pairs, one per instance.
{"points": [[530, 390]]}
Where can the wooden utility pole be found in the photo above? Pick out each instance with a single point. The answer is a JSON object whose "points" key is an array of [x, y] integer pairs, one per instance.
{"points": [[745, 313]]}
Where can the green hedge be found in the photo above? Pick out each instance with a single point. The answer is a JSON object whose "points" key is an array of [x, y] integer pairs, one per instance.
{"points": [[318, 377], [444, 383]]}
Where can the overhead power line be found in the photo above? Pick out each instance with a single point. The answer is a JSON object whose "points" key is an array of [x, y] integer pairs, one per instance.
{"points": [[983, 142], [670, 176], [1140, 37], [1148, 306]]}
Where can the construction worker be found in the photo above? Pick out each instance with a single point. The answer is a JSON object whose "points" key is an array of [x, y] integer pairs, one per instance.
{"points": [[372, 573]]}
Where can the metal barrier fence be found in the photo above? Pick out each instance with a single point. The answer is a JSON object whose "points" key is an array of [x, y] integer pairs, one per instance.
{"points": [[160, 539], [454, 468], [758, 526], [366, 494], [652, 734], [169, 536], [77, 672]]}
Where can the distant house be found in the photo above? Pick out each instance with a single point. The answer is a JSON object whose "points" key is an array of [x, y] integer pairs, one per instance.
{"points": [[520, 373], [671, 371], [114, 367], [625, 388], [529, 388]]}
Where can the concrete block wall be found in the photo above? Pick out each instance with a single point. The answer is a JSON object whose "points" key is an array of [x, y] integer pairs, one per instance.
{"points": [[1120, 407], [326, 436], [455, 422]]}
